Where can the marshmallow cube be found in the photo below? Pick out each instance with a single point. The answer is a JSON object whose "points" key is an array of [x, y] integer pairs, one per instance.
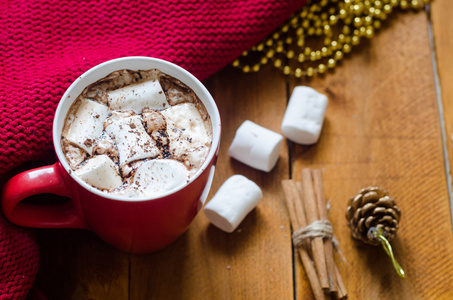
{"points": [[232, 202], [256, 146], [148, 94], [101, 172], [87, 125], [185, 128], [132, 140], [158, 176], [304, 115]]}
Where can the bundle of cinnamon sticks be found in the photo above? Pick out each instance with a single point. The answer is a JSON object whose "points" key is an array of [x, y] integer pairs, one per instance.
{"points": [[313, 234]]}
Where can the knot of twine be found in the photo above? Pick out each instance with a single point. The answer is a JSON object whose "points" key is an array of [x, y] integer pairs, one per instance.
{"points": [[320, 228]]}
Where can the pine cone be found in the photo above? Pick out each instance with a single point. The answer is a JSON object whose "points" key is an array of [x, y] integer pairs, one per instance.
{"points": [[372, 208]]}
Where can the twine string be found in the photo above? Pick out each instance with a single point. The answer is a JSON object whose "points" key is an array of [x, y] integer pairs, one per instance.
{"points": [[319, 228]]}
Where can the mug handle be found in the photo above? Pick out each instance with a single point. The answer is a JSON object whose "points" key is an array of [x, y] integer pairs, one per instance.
{"points": [[46, 179]]}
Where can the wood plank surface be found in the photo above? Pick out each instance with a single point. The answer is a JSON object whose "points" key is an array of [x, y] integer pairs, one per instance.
{"points": [[382, 128]]}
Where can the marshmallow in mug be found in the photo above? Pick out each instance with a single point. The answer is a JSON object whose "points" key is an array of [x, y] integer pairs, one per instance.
{"points": [[256, 146], [304, 115], [233, 201]]}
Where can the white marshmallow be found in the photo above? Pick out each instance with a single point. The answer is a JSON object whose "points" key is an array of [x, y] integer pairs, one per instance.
{"points": [[155, 177], [233, 201], [131, 139], [148, 94], [256, 146], [185, 129], [87, 125], [304, 115], [101, 172]]}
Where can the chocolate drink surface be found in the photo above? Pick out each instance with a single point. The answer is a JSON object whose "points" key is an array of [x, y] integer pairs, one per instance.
{"points": [[136, 134]]}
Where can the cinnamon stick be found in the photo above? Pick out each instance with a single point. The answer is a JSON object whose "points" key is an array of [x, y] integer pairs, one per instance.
{"points": [[312, 215], [328, 247], [297, 217]]}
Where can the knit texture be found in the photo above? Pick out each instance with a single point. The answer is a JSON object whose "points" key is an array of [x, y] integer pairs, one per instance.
{"points": [[46, 44], [19, 260]]}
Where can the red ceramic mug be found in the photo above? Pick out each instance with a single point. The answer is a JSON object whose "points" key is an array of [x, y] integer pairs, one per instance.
{"points": [[132, 225]]}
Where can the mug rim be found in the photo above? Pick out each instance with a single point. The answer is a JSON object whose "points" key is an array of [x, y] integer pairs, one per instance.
{"points": [[119, 63]]}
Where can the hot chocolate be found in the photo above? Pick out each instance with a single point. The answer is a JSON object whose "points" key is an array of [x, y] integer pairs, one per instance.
{"points": [[137, 134]]}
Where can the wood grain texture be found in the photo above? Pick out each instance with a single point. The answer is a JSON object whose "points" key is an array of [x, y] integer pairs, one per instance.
{"points": [[382, 128]]}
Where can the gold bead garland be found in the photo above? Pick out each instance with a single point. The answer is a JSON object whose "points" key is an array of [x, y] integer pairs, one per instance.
{"points": [[333, 27]]}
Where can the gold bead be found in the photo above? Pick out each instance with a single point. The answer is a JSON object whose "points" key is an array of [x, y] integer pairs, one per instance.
{"points": [[327, 41], [347, 39], [387, 9], [298, 73], [310, 71], [338, 55], [341, 38], [342, 13], [358, 8], [275, 36], [236, 63], [269, 42], [311, 31], [377, 4], [346, 48], [313, 56], [331, 63], [355, 40], [318, 54], [256, 68], [300, 42], [377, 24], [327, 30], [278, 63], [379, 14], [286, 70], [285, 28], [324, 51], [357, 22], [260, 47], [305, 23], [318, 31], [334, 45], [322, 69], [346, 30], [290, 54], [307, 51], [367, 20], [333, 20], [289, 40], [263, 60], [404, 4], [300, 31], [394, 2], [270, 53], [245, 53], [304, 12], [362, 31], [301, 57], [369, 32], [415, 4], [279, 49], [246, 68]]}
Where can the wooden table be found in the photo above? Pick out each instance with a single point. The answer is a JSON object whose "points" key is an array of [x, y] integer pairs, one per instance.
{"points": [[389, 123]]}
